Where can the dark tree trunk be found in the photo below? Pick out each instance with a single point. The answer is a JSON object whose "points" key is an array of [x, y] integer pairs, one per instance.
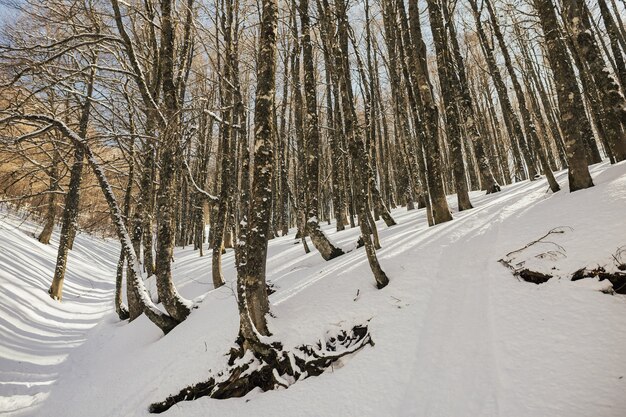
{"points": [[72, 199], [337, 161], [613, 102], [51, 206], [312, 143], [565, 79], [356, 145], [439, 205], [614, 38], [169, 165], [254, 303], [448, 91]]}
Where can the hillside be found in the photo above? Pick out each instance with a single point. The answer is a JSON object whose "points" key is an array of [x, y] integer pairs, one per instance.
{"points": [[455, 332]]}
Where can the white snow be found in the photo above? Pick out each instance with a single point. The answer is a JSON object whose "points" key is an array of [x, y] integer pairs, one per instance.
{"points": [[456, 334]]}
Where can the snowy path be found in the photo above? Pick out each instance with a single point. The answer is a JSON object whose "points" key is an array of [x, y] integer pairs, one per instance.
{"points": [[456, 334], [462, 358], [456, 368]]}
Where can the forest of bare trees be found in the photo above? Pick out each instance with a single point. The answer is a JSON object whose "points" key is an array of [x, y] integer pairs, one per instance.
{"points": [[224, 124]]}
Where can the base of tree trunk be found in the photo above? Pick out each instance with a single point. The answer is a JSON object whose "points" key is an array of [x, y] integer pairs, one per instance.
{"points": [[122, 313], [494, 189], [278, 369]]}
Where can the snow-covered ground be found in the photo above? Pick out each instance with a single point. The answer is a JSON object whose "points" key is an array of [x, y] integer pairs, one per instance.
{"points": [[456, 334]]}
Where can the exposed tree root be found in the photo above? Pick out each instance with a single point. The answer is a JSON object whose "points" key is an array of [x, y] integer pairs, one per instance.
{"points": [[281, 368], [533, 276], [529, 275], [270, 287], [122, 312], [617, 279], [495, 188]]}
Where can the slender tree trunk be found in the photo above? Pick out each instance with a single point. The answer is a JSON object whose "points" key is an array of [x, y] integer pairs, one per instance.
{"points": [[439, 205], [51, 207], [355, 145], [120, 308], [227, 149], [312, 142], [468, 113], [337, 165], [70, 214], [452, 128], [169, 161], [614, 37]]}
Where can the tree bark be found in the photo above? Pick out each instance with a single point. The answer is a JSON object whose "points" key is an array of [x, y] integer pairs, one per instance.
{"points": [[613, 101], [356, 145], [72, 199], [448, 93], [436, 193], [312, 142], [254, 303], [169, 163], [565, 79], [51, 207]]}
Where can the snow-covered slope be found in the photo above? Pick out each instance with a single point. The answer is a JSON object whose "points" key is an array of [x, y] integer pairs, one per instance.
{"points": [[37, 333], [456, 334]]}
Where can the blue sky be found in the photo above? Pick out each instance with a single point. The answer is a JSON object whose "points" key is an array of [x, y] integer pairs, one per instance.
{"points": [[6, 10]]}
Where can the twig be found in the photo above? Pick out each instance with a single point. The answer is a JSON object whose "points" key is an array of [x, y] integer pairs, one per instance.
{"points": [[551, 232]]}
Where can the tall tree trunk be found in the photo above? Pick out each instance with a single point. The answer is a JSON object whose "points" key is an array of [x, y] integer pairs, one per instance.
{"points": [[227, 148], [254, 303], [511, 121], [356, 145], [613, 101], [380, 209], [452, 128], [614, 38], [411, 150], [565, 79], [312, 142], [436, 193], [72, 199], [169, 161], [337, 164]]}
